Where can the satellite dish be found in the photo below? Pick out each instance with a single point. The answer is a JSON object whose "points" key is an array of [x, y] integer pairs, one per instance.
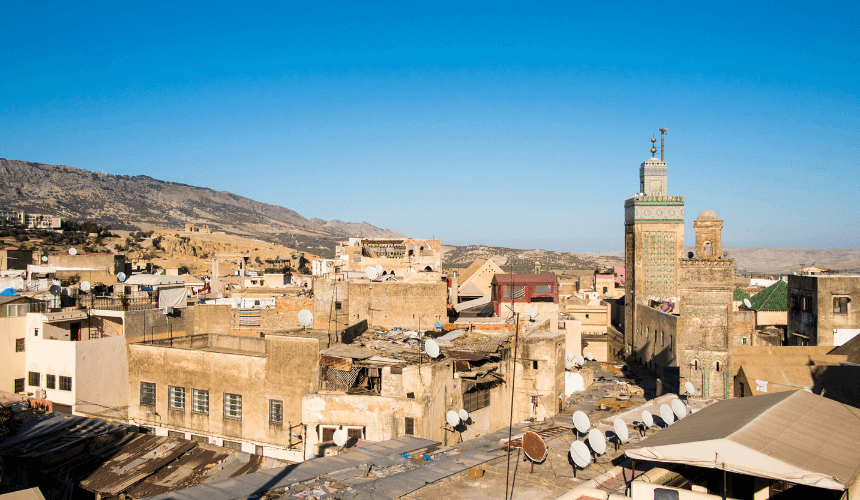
{"points": [[534, 447], [464, 415], [568, 355], [306, 317], [378, 269], [431, 348], [567, 365], [72, 251], [452, 418], [679, 408], [666, 413], [621, 430], [690, 255], [807, 389], [580, 454], [589, 356], [725, 254], [647, 418], [45, 258], [371, 272], [340, 437], [85, 285], [532, 312], [121, 277], [597, 441], [580, 420], [747, 303], [690, 389], [579, 360], [55, 289]]}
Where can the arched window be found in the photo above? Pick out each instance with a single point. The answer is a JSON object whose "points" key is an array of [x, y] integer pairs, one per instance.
{"points": [[718, 366], [647, 332], [707, 248], [695, 364]]}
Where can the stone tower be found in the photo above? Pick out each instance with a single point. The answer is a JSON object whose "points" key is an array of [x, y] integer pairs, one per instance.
{"points": [[706, 284], [653, 243]]}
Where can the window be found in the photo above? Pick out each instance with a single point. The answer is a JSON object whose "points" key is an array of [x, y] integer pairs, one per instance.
{"points": [[276, 411], [743, 341], [534, 365], [840, 305], [718, 366], [519, 292], [176, 434], [35, 332], [19, 385], [232, 405], [176, 398], [328, 433], [670, 341], [200, 439], [337, 306], [50, 381], [543, 289], [475, 399], [233, 445], [35, 378], [200, 401], [354, 432], [19, 345], [410, 426], [258, 450], [741, 385], [147, 393], [65, 383]]}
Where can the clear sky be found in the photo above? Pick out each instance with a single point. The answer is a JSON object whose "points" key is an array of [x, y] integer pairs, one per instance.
{"points": [[519, 124]]}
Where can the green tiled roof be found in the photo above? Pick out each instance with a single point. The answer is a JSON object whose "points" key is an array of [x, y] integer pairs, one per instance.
{"points": [[740, 294], [772, 298]]}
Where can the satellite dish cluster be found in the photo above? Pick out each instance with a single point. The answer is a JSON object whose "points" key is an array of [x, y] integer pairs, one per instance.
{"points": [[457, 420], [570, 360]]}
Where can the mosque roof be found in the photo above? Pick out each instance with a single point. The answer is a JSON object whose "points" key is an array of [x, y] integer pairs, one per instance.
{"points": [[707, 214], [740, 294], [772, 298]]}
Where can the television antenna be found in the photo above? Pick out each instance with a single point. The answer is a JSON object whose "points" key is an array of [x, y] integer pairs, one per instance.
{"points": [[306, 318], [580, 455], [534, 448], [581, 422], [371, 272], [597, 441], [621, 432], [667, 415], [431, 348], [679, 408]]}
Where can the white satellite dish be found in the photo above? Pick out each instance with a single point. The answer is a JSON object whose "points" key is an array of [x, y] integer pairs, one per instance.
{"points": [[580, 420], [85, 285], [431, 348], [464, 415], [378, 269], [532, 312], [647, 418], [747, 303], [568, 355], [121, 277], [667, 414], [580, 454], [807, 389], [597, 441], [340, 437], [567, 365], [72, 251], [579, 360], [690, 389], [452, 418], [589, 356], [371, 272], [306, 317], [621, 430], [44, 258], [679, 408]]}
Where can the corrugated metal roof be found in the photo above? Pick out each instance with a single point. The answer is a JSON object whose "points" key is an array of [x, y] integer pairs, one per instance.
{"points": [[520, 279]]}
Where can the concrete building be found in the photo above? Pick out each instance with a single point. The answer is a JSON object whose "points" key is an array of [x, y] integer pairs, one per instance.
{"points": [[400, 255], [822, 310], [14, 312], [476, 281], [15, 259]]}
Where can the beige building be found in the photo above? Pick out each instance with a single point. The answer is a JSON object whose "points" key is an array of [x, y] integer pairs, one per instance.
{"points": [[476, 281], [15, 259], [822, 310], [401, 255]]}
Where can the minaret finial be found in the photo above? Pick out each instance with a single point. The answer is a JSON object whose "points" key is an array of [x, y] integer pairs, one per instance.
{"points": [[662, 134], [653, 149]]}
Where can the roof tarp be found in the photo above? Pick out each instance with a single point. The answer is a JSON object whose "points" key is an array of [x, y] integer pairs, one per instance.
{"points": [[172, 297], [797, 437], [153, 280]]}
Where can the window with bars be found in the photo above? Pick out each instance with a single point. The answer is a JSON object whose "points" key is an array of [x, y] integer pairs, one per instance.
{"points": [[34, 379], [475, 399], [276, 411], [19, 385], [233, 445], [19, 345], [199, 401], [147, 393], [50, 381], [543, 290], [232, 405], [176, 398], [65, 383]]}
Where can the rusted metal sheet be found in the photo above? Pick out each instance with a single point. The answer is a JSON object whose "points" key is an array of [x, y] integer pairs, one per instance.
{"points": [[344, 364], [189, 470]]}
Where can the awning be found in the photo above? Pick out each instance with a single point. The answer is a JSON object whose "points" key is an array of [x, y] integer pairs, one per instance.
{"points": [[57, 317], [153, 280]]}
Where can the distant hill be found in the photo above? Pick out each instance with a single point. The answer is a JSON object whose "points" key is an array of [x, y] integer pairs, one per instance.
{"points": [[524, 260], [143, 203], [789, 260]]}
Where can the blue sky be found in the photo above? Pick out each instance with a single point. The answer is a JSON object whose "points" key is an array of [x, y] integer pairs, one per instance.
{"points": [[499, 123]]}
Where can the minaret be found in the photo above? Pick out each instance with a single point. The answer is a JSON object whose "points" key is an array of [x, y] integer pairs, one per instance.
{"points": [[653, 244]]}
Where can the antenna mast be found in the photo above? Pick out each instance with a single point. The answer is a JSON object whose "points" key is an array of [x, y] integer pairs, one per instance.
{"points": [[662, 146]]}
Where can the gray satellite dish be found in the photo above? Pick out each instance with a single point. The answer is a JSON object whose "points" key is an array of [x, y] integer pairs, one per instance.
{"points": [[378, 269], [568, 355], [371, 272], [580, 454], [85, 285], [464, 415], [306, 317], [580, 420], [589, 356], [690, 389], [679, 408], [647, 418], [690, 255], [579, 360], [747, 303], [667, 414], [597, 441], [532, 312], [621, 430], [452, 418], [55, 289], [340, 437], [72, 251], [45, 258], [431, 348], [121, 277]]}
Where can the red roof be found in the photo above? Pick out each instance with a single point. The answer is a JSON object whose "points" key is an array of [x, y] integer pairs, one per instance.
{"points": [[525, 278]]}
